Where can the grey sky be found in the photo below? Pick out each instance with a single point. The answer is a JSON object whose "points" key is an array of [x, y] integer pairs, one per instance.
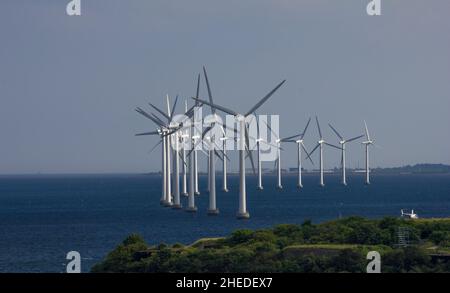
{"points": [[68, 85]]}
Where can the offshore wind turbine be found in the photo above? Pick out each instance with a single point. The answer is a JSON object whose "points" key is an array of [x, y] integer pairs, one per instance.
{"points": [[191, 195], [176, 157], [162, 131], [367, 143], [167, 130], [243, 137], [301, 147], [195, 138], [278, 160], [342, 142], [319, 145], [212, 210]]}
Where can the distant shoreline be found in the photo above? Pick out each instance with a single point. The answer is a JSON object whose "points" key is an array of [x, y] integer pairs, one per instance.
{"points": [[431, 169]]}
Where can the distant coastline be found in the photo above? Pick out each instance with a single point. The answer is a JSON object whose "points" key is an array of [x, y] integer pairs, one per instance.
{"points": [[404, 170], [408, 169]]}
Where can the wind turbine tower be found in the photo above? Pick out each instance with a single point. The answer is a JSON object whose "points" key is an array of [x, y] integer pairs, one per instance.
{"points": [[343, 142], [367, 143]]}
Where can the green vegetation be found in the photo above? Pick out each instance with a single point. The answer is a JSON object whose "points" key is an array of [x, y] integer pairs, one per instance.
{"points": [[335, 246]]}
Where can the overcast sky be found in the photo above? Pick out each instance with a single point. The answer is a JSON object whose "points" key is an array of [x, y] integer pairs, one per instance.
{"points": [[69, 85]]}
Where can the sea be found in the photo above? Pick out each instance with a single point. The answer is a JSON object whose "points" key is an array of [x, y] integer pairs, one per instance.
{"points": [[43, 217]]}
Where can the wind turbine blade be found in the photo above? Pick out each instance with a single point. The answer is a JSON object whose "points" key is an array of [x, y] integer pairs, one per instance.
{"points": [[332, 145], [306, 151], [190, 111], [218, 107], [314, 149], [257, 126], [198, 89], [145, 114], [160, 111], [185, 106], [174, 106], [355, 138], [335, 131], [224, 155], [271, 131], [291, 137], [157, 118], [306, 127], [263, 100], [218, 155], [209, 90], [248, 148], [205, 131], [147, 133], [154, 147], [168, 105], [318, 127], [181, 158], [367, 130]]}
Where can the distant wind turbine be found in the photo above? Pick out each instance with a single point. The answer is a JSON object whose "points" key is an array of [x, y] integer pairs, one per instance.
{"points": [[301, 147], [367, 143], [342, 142], [278, 160], [320, 144]]}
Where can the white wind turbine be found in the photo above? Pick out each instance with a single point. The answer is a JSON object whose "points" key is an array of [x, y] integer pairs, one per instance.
{"points": [[342, 142], [367, 143], [243, 137], [278, 160], [193, 163], [172, 137], [212, 210], [167, 130], [259, 140], [301, 147], [195, 139], [320, 144], [162, 131]]}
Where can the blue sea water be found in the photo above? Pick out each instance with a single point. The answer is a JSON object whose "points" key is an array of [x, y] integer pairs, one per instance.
{"points": [[44, 217]]}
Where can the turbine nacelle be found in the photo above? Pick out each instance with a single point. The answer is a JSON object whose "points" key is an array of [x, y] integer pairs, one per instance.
{"points": [[240, 117]]}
